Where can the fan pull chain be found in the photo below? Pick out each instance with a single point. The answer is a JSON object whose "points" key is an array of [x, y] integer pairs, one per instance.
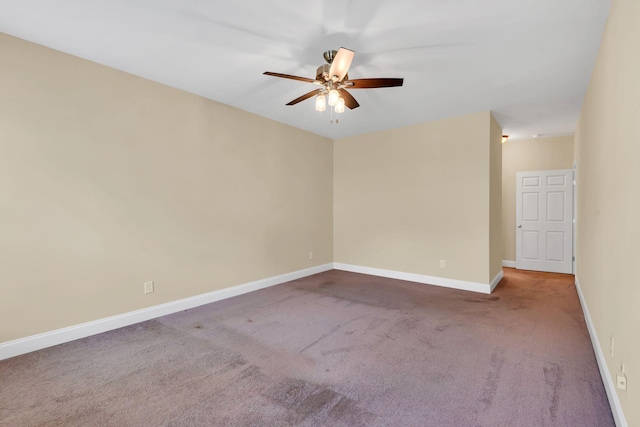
{"points": [[337, 119]]}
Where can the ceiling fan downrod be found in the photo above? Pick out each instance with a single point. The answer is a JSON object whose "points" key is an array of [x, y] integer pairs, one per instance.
{"points": [[329, 55]]}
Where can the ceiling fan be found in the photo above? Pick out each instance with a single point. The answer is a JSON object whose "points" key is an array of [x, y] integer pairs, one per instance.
{"points": [[334, 82]]}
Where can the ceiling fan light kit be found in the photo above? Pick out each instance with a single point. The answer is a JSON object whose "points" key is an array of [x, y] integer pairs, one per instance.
{"points": [[333, 80], [321, 104], [333, 97]]}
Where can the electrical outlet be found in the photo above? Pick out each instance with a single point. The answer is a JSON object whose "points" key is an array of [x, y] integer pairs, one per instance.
{"points": [[148, 287], [310, 255], [621, 381], [443, 263], [611, 342]]}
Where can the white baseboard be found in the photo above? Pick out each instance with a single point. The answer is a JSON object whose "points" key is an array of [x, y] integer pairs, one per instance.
{"points": [[510, 264], [484, 288], [609, 384], [37, 342], [496, 280]]}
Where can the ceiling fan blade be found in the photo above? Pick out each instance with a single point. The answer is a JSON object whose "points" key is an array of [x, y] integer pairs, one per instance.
{"points": [[305, 96], [373, 83], [341, 63], [289, 76], [349, 101]]}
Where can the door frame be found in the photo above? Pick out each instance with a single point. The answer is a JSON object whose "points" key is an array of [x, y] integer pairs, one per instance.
{"points": [[575, 213], [573, 204]]}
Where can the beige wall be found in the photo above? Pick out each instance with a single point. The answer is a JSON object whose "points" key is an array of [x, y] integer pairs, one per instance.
{"points": [[528, 155], [607, 154], [495, 202], [108, 180], [406, 198]]}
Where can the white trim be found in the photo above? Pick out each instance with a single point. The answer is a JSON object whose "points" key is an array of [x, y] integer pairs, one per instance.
{"points": [[484, 288], [496, 280], [37, 342], [510, 264], [574, 227], [609, 385]]}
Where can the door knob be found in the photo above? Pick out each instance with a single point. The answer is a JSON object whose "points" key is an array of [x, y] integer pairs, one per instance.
{"points": [[520, 226]]}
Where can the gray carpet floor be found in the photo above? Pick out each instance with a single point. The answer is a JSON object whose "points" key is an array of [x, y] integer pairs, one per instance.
{"points": [[336, 348]]}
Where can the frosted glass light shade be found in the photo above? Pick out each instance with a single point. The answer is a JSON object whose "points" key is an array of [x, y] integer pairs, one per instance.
{"points": [[339, 106], [333, 97], [321, 105]]}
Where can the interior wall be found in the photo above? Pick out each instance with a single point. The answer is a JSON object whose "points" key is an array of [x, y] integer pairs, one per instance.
{"points": [[108, 180], [527, 155], [608, 230], [495, 202], [406, 198]]}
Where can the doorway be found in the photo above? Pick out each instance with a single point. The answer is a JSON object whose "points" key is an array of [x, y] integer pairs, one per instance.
{"points": [[544, 221]]}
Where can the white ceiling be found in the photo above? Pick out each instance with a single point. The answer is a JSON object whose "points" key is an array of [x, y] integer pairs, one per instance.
{"points": [[529, 61]]}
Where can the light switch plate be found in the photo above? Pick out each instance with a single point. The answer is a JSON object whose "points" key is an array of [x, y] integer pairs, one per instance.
{"points": [[621, 381], [148, 287]]}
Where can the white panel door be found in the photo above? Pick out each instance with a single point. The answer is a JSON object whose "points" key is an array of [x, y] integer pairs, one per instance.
{"points": [[544, 221]]}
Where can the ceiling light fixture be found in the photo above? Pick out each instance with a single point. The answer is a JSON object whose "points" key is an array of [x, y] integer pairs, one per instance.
{"points": [[504, 138], [330, 95], [321, 104], [333, 79], [333, 97], [334, 100]]}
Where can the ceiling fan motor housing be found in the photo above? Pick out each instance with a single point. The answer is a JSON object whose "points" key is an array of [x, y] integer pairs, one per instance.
{"points": [[322, 73], [329, 55]]}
